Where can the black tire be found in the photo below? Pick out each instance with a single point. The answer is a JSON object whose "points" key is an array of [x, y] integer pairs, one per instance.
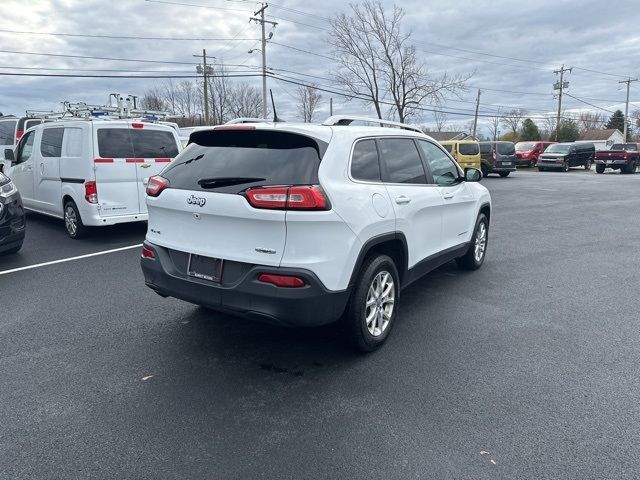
{"points": [[484, 170], [532, 164], [504, 174], [565, 167], [80, 230], [355, 317], [469, 260], [587, 166], [599, 168], [629, 168], [12, 250]]}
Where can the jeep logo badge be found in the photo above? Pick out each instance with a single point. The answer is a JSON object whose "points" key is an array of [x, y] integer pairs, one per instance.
{"points": [[193, 200]]}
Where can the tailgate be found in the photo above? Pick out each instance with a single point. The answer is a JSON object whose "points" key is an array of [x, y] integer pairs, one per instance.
{"points": [[218, 225], [610, 155]]}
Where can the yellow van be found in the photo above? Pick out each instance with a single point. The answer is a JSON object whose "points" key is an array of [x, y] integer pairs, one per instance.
{"points": [[466, 152]]}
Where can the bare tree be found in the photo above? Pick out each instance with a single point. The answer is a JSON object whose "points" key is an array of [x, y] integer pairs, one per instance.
{"points": [[308, 100], [549, 123], [514, 118], [494, 125], [219, 96], [440, 118], [590, 121], [378, 63], [153, 99], [245, 101]]}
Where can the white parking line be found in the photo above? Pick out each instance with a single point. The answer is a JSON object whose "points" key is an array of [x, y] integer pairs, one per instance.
{"points": [[70, 259]]}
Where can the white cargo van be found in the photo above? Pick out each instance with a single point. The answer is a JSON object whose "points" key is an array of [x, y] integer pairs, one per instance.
{"points": [[90, 173]]}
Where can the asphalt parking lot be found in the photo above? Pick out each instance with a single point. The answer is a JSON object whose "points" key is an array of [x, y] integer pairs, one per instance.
{"points": [[527, 368]]}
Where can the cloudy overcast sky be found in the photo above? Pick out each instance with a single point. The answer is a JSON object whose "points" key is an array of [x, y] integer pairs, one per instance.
{"points": [[513, 48]]}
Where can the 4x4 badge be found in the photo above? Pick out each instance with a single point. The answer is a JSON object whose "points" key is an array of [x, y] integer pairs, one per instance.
{"points": [[193, 200]]}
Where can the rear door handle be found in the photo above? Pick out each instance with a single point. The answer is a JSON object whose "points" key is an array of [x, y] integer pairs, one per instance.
{"points": [[401, 200], [448, 196]]}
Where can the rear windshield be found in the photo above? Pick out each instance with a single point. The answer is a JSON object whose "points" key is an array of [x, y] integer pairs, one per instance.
{"points": [[7, 132], [468, 148], [525, 146], [136, 143], [247, 159], [558, 148], [485, 147], [505, 148], [629, 147]]}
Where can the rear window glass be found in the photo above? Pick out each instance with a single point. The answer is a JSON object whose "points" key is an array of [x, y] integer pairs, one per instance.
{"points": [[247, 158], [629, 147], [136, 143], [506, 148], [402, 160], [468, 148], [8, 132], [364, 162], [485, 147], [51, 143], [31, 123], [448, 148]]}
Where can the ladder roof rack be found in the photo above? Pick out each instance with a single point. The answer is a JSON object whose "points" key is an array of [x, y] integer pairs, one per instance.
{"points": [[348, 119]]}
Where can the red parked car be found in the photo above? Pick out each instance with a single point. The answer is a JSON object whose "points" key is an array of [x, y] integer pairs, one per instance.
{"points": [[622, 156], [527, 153]]}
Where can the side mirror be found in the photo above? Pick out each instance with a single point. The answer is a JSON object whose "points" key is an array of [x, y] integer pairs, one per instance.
{"points": [[8, 155], [472, 174]]}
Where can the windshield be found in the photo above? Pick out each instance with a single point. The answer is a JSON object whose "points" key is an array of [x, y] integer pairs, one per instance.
{"points": [[629, 147], [505, 148], [8, 132], [525, 146], [469, 148], [558, 148], [252, 158]]}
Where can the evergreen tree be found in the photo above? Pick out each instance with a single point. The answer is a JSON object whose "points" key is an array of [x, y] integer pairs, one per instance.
{"points": [[616, 121], [529, 131], [568, 131]]}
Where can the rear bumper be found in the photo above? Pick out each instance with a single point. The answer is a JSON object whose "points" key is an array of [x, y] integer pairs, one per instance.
{"points": [[245, 296], [93, 219], [612, 163]]}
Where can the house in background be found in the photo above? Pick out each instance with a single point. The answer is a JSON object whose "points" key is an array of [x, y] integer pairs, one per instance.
{"points": [[445, 136], [602, 139]]}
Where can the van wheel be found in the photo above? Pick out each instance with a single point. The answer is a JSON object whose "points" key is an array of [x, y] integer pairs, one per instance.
{"points": [[599, 168], [532, 164], [72, 221], [484, 171], [565, 167], [587, 166], [474, 258], [373, 306], [504, 174]]}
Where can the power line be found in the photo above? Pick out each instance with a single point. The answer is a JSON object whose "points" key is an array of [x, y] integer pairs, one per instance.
{"points": [[127, 37], [302, 50], [69, 75], [90, 57], [587, 103]]}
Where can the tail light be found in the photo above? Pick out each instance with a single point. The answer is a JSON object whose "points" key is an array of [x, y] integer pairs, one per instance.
{"points": [[625, 156], [148, 253], [19, 134], [307, 197], [284, 281], [494, 155], [91, 192], [156, 185], [137, 125]]}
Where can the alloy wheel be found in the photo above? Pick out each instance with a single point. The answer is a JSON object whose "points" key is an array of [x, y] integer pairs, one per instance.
{"points": [[380, 303], [70, 220], [480, 244]]}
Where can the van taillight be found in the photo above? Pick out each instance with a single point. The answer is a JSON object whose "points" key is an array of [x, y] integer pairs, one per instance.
{"points": [[91, 192], [19, 134], [156, 185], [307, 197]]}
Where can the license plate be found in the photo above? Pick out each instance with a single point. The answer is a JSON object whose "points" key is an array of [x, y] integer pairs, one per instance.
{"points": [[206, 268], [507, 164]]}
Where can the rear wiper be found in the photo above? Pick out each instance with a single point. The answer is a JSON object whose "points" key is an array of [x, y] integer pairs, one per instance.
{"points": [[216, 182]]}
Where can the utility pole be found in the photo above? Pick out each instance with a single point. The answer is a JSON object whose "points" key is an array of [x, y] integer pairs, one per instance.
{"points": [[626, 108], [331, 107], [205, 70], [262, 23], [560, 86], [475, 118]]}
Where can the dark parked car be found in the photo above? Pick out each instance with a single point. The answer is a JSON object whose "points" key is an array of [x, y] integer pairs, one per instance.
{"points": [[497, 157], [622, 156], [12, 217], [562, 156]]}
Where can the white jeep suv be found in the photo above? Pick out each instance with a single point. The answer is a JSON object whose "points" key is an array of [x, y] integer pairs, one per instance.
{"points": [[303, 224]]}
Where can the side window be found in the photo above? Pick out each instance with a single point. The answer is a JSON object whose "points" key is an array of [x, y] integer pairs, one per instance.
{"points": [[448, 148], [31, 123], [485, 148], [51, 144], [72, 142], [402, 160], [26, 147], [444, 171], [364, 161]]}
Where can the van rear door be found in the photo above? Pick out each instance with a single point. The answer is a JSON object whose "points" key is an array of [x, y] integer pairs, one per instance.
{"points": [[127, 155], [115, 171]]}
